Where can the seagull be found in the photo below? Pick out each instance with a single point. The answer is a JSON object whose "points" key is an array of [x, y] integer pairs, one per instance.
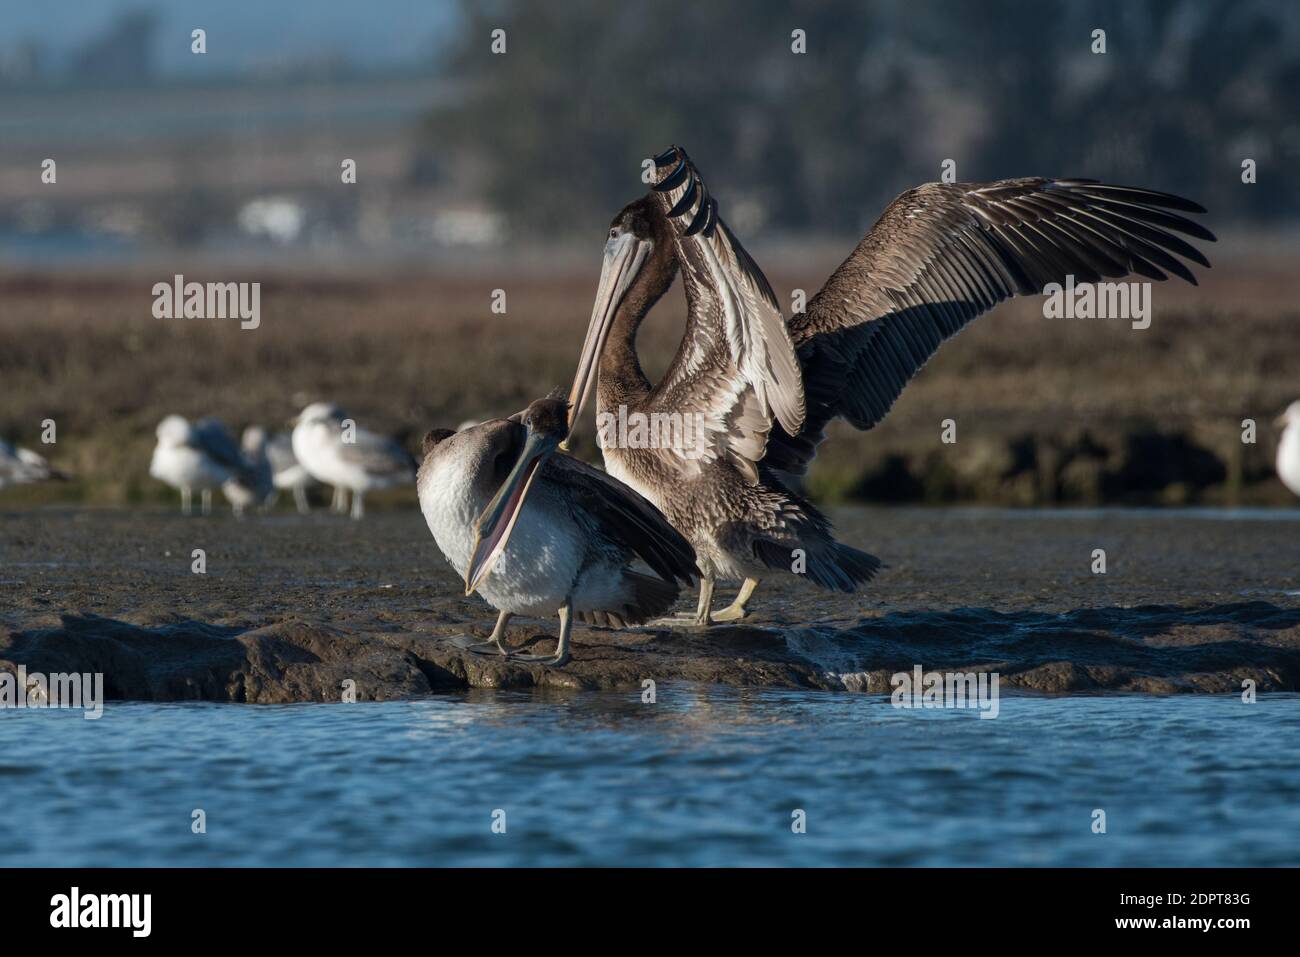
{"points": [[334, 450], [20, 466], [201, 456], [253, 487], [1288, 449], [287, 472], [568, 551]]}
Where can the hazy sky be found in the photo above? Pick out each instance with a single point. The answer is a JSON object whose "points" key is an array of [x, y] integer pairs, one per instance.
{"points": [[370, 32]]}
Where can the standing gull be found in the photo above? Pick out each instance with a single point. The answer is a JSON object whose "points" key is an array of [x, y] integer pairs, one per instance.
{"points": [[334, 450], [287, 472], [254, 486], [1288, 449], [765, 389], [199, 456], [568, 551], [19, 466]]}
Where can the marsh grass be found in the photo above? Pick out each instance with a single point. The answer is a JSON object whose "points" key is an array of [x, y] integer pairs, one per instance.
{"points": [[404, 354]]}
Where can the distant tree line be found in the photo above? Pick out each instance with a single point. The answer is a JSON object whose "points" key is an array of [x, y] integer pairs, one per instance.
{"points": [[554, 129]]}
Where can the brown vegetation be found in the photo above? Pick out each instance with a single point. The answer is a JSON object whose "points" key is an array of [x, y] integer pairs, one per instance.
{"points": [[1046, 410]]}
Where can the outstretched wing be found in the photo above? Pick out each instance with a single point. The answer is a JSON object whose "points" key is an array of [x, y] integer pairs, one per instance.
{"points": [[941, 255], [625, 517], [736, 365]]}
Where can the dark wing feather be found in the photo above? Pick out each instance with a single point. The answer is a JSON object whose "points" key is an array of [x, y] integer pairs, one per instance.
{"points": [[211, 437], [941, 255], [625, 517]]}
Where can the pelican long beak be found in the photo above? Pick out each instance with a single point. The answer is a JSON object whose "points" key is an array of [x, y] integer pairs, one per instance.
{"points": [[624, 257], [494, 526]]}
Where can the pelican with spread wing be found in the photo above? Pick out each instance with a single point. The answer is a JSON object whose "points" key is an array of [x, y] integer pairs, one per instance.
{"points": [[763, 389]]}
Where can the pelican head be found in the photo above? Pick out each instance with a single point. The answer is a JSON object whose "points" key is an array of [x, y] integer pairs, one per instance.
{"points": [[546, 424], [174, 430], [634, 235], [1291, 416]]}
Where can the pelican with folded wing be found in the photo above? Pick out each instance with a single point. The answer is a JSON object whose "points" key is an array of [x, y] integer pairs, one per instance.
{"points": [[568, 551], [763, 389]]}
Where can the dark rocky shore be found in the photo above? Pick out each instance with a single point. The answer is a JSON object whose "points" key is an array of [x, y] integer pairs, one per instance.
{"points": [[292, 609]]}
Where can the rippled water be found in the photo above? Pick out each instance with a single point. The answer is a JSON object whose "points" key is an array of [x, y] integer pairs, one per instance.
{"points": [[705, 776]]}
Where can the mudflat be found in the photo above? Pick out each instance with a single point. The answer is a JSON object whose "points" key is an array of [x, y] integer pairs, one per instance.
{"points": [[292, 608]]}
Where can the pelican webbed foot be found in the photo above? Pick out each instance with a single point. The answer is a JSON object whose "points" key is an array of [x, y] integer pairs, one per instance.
{"points": [[681, 621], [492, 649], [561, 656], [736, 610], [494, 646], [702, 617], [732, 612], [553, 661]]}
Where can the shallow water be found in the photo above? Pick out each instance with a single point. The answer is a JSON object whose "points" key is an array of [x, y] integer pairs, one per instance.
{"points": [[704, 776]]}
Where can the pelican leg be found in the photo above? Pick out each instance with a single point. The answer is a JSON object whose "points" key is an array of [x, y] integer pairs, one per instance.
{"points": [[340, 503], [206, 498], [300, 499], [493, 646], [701, 618], [706, 602], [358, 508], [561, 655], [187, 504], [736, 610]]}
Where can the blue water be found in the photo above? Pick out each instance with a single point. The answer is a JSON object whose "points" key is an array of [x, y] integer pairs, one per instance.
{"points": [[705, 776]]}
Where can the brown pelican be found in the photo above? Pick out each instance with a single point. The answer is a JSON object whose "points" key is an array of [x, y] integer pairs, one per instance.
{"points": [[570, 549], [764, 389]]}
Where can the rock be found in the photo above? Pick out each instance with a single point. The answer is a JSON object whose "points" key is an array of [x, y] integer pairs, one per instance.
{"points": [[1160, 649]]}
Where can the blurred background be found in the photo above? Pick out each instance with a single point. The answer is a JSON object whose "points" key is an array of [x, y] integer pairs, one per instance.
{"points": [[478, 171]]}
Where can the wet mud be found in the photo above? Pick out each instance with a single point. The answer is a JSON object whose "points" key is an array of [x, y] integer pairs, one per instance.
{"points": [[302, 609]]}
